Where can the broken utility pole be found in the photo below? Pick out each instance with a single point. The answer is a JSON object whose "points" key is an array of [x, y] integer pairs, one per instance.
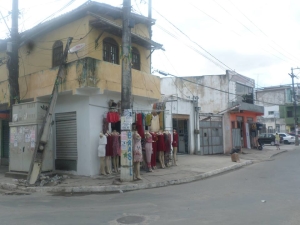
{"points": [[13, 62], [38, 155]]}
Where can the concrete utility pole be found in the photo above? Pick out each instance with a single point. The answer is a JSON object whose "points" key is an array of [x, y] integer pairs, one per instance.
{"points": [[43, 136], [13, 63], [125, 56], [150, 28], [126, 96], [295, 107]]}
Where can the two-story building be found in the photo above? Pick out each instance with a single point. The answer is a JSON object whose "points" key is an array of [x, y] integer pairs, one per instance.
{"points": [[92, 78], [217, 109], [278, 114]]}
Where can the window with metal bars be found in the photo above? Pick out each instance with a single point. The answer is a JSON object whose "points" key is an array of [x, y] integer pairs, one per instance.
{"points": [[136, 64], [110, 51], [57, 53]]}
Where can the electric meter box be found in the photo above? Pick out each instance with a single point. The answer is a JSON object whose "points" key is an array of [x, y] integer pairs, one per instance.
{"points": [[29, 112], [23, 139], [24, 131]]}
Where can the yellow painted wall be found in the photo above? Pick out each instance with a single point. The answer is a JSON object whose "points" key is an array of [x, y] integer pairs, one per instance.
{"points": [[37, 75], [40, 58], [98, 52], [143, 84]]}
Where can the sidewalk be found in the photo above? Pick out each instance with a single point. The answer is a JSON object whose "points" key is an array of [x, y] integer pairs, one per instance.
{"points": [[190, 168]]}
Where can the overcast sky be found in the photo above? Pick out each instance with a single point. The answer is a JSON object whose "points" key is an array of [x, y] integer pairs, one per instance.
{"points": [[256, 38]]}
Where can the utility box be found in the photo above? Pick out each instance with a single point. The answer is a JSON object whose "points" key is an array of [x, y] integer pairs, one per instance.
{"points": [[24, 131], [30, 112], [22, 143]]}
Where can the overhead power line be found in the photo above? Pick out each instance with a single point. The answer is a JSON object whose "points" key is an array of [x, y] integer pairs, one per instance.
{"points": [[192, 40], [223, 66], [247, 28], [276, 56], [58, 11], [261, 30], [191, 47]]}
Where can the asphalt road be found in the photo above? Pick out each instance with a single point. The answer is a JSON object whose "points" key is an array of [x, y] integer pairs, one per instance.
{"points": [[233, 198]]}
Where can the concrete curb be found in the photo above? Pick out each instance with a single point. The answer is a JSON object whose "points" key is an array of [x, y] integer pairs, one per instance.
{"points": [[124, 187], [278, 153]]}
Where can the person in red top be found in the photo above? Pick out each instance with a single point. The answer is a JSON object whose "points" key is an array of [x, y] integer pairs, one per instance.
{"points": [[161, 148], [175, 145], [154, 150]]}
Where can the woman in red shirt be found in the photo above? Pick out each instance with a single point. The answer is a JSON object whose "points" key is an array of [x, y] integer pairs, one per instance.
{"points": [[175, 145]]}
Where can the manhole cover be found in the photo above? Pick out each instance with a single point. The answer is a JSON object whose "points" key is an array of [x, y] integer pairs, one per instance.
{"points": [[131, 219]]}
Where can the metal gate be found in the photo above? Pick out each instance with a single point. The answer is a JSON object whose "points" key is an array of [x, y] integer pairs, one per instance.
{"points": [[211, 134], [236, 138], [66, 141], [5, 143]]}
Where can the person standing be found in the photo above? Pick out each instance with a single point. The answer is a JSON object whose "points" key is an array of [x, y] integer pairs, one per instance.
{"points": [[277, 141]]}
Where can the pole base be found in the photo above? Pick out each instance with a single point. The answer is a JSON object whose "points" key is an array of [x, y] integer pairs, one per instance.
{"points": [[126, 174]]}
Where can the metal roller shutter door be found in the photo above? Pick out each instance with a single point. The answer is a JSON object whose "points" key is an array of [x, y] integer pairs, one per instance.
{"points": [[66, 141], [5, 142]]}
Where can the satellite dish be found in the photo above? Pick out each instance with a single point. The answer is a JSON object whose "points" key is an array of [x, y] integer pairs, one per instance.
{"points": [[76, 48]]}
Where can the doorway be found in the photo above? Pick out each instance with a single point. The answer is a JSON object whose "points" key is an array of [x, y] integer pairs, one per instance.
{"points": [[181, 125]]}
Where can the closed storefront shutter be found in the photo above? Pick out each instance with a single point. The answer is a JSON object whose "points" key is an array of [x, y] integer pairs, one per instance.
{"points": [[5, 142], [66, 141]]}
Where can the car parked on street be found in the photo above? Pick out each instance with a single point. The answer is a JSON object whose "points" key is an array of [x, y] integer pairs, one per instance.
{"points": [[287, 138], [293, 134], [266, 138]]}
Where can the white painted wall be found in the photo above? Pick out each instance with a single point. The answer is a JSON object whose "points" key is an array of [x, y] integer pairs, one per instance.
{"points": [[90, 111], [274, 108], [271, 96], [183, 106], [212, 100], [227, 137], [71, 103]]}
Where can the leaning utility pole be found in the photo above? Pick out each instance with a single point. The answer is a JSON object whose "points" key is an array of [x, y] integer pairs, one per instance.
{"points": [[295, 107], [13, 62], [43, 136], [126, 106]]}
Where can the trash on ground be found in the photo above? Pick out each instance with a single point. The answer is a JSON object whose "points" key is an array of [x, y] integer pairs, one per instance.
{"points": [[43, 180]]}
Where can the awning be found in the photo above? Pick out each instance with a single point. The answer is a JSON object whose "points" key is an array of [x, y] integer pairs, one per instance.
{"points": [[180, 116], [115, 29], [4, 116]]}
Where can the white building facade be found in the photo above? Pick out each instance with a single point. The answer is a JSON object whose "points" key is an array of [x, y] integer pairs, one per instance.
{"points": [[226, 105], [271, 98]]}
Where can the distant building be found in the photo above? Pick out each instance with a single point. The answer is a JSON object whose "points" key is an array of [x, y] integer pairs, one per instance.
{"points": [[227, 108], [278, 114]]}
